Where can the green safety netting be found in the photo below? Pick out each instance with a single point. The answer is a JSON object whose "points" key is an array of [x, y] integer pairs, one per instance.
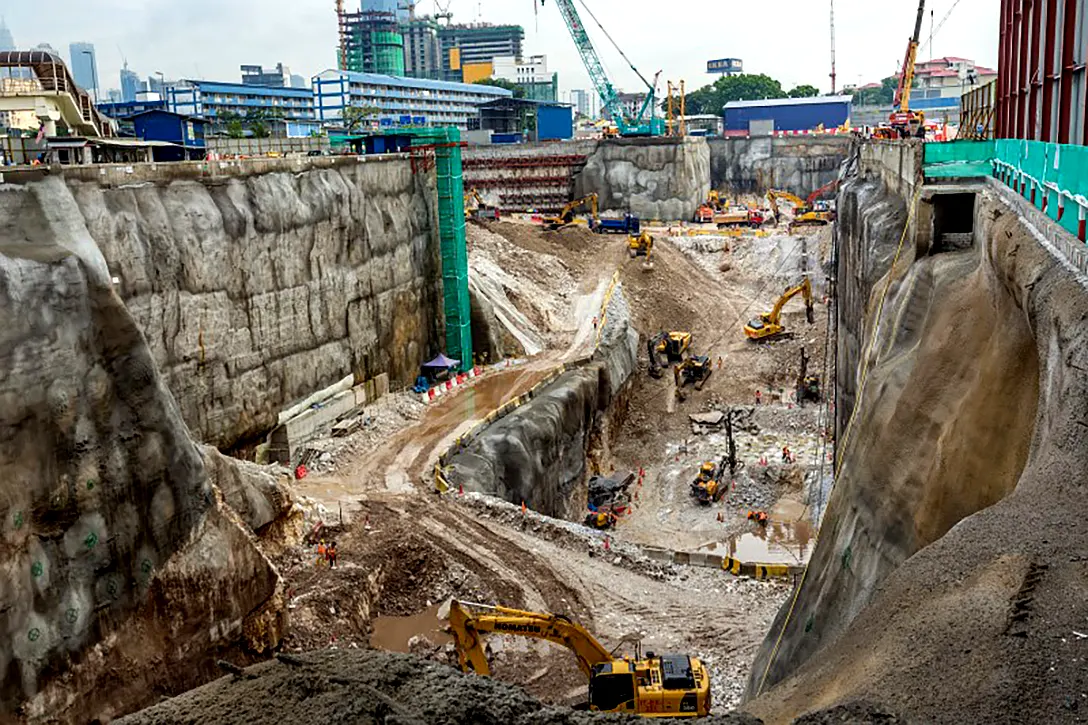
{"points": [[451, 235], [958, 159]]}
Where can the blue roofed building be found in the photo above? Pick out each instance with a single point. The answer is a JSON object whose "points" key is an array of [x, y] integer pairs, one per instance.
{"points": [[773, 116], [286, 111], [185, 134], [397, 101]]}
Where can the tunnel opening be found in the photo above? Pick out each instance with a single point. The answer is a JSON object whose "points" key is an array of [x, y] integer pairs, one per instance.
{"points": [[953, 222]]}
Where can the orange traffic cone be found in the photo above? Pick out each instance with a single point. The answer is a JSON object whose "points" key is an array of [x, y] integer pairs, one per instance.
{"points": [[523, 508], [460, 489]]}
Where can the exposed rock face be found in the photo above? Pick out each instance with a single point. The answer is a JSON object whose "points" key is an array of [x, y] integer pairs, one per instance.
{"points": [[254, 290], [949, 572], [122, 567], [799, 164], [537, 453], [651, 178]]}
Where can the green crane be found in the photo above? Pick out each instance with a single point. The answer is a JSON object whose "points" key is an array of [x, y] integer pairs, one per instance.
{"points": [[645, 123]]}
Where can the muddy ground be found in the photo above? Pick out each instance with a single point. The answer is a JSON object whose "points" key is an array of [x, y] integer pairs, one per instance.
{"points": [[403, 549]]}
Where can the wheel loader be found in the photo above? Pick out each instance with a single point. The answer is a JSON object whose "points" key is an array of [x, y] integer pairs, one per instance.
{"points": [[709, 484]]}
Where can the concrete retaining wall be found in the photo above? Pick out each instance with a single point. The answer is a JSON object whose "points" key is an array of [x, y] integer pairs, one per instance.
{"points": [[258, 282], [799, 164]]}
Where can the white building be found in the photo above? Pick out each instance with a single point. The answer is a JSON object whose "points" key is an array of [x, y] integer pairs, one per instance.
{"points": [[398, 101], [530, 73]]}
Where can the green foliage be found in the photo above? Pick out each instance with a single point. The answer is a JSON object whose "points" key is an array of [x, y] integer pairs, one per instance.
{"points": [[518, 91], [235, 129], [355, 116], [744, 87], [804, 91], [882, 96]]}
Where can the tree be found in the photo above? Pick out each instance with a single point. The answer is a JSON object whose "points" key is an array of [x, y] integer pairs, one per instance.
{"points": [[804, 91], [746, 87], [518, 91], [355, 116], [882, 96]]}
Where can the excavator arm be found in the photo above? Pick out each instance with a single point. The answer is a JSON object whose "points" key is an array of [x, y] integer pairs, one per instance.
{"points": [[469, 626], [566, 215], [825, 189], [804, 288]]}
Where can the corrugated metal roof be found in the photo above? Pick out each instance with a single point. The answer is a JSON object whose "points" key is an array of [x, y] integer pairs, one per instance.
{"points": [[815, 100], [402, 82]]}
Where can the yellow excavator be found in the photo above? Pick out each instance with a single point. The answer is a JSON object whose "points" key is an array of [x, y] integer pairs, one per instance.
{"points": [[667, 685], [640, 246], [804, 214], [566, 215], [693, 370], [482, 210], [672, 345], [769, 324]]}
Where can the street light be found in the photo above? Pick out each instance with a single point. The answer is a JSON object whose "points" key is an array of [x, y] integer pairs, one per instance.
{"points": [[94, 74]]}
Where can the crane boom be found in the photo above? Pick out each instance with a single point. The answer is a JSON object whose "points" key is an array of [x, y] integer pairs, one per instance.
{"points": [[592, 62], [906, 79], [610, 99]]}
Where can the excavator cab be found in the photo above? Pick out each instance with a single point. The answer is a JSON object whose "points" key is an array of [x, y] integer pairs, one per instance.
{"points": [[671, 345]]}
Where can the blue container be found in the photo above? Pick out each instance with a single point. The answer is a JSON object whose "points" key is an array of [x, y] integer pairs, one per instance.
{"points": [[554, 123], [506, 138]]}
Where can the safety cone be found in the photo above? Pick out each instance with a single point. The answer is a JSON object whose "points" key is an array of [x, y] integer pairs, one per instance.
{"points": [[460, 489], [523, 508], [607, 543], [734, 485], [763, 460]]}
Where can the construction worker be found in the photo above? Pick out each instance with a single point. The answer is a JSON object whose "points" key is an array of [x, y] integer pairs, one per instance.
{"points": [[322, 554], [787, 457], [330, 554]]}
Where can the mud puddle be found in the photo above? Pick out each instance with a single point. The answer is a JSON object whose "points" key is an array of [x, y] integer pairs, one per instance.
{"points": [[393, 634], [787, 538]]}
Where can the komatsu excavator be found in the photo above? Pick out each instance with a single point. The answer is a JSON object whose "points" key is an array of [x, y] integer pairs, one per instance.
{"points": [[667, 685], [482, 210], [769, 324], [566, 215]]}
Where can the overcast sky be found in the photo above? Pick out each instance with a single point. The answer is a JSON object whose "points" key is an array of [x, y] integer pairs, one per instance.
{"points": [[786, 39]]}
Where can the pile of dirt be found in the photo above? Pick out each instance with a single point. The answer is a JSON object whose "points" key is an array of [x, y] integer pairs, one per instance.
{"points": [[360, 686]]}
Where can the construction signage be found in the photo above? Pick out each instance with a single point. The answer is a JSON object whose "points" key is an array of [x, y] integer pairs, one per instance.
{"points": [[725, 65]]}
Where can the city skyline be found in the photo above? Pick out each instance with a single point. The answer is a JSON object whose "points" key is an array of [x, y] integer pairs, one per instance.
{"points": [[868, 48]]}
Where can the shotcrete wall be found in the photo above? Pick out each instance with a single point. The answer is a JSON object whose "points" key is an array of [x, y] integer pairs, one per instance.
{"points": [[124, 570], [256, 284], [538, 453], [959, 427], [661, 178], [798, 164]]}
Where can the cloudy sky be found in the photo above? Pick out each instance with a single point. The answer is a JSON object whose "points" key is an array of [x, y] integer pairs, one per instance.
{"points": [[787, 39]]}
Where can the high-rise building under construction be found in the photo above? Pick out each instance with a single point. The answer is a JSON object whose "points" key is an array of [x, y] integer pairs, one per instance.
{"points": [[370, 40]]}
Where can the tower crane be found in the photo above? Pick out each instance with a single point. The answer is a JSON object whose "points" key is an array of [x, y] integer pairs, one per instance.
{"points": [[645, 123]]}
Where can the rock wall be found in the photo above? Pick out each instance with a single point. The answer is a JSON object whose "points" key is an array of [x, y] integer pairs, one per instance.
{"points": [[798, 164], [124, 570], [661, 178], [257, 284], [947, 572], [538, 453]]}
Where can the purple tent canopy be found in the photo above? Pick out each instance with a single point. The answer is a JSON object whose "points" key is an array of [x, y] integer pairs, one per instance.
{"points": [[441, 362]]}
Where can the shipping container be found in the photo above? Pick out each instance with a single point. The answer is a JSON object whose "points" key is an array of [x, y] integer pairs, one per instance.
{"points": [[554, 123], [786, 114]]}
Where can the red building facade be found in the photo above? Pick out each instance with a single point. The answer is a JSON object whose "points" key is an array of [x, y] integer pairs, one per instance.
{"points": [[1043, 71]]}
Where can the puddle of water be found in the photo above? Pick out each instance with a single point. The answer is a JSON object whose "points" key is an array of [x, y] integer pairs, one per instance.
{"points": [[785, 540], [392, 634]]}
